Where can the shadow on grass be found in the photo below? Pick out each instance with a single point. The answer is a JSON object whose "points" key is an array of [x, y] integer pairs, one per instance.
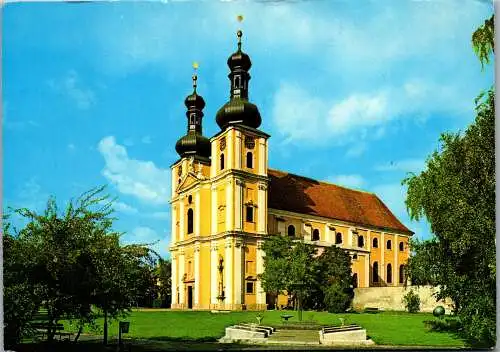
{"points": [[449, 325]]}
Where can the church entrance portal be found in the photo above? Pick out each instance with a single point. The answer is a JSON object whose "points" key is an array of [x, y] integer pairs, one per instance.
{"points": [[190, 297]]}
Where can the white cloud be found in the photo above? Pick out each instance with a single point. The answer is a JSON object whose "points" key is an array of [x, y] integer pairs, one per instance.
{"points": [[406, 165], [300, 117], [142, 179], [71, 147], [350, 181], [124, 208], [356, 150], [71, 86]]}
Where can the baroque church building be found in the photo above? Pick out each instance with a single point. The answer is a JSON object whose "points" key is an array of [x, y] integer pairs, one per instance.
{"points": [[225, 201]]}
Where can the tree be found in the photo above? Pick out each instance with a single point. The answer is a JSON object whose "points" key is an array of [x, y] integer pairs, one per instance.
{"points": [[76, 261], [456, 193], [335, 277]]}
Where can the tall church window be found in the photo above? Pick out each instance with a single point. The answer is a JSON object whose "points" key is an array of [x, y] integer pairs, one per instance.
{"points": [[355, 280], [338, 238], [249, 215], [375, 243], [389, 273], [222, 161], [249, 160], [401, 273], [291, 230], [389, 244], [315, 236], [190, 221], [375, 271], [361, 241]]}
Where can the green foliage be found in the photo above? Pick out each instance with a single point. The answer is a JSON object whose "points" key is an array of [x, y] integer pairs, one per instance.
{"points": [[421, 268], [456, 193], [73, 261], [336, 300], [483, 40], [294, 267], [412, 302]]}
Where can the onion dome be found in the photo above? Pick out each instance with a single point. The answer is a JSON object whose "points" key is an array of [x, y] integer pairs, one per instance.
{"points": [[238, 109], [194, 143]]}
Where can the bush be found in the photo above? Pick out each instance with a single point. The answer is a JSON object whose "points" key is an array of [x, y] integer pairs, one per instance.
{"points": [[412, 302], [336, 300]]}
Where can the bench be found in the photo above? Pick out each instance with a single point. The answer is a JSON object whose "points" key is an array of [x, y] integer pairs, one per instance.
{"points": [[371, 310], [285, 317], [43, 327]]}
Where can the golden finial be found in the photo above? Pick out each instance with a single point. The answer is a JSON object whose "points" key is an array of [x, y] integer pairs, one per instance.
{"points": [[195, 77], [239, 33]]}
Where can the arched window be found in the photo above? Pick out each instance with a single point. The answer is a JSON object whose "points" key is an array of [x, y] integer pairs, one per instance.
{"points": [[291, 230], [222, 161], [355, 280], [389, 244], [237, 81], [190, 220], [361, 241], [389, 273], [315, 236], [401, 274], [375, 271], [338, 238], [375, 243], [249, 160], [401, 246]]}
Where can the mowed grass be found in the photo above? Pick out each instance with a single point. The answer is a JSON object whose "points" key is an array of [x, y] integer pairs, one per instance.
{"points": [[384, 328]]}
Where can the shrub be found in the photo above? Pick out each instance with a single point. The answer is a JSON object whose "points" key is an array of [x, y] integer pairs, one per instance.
{"points": [[412, 302], [336, 300]]}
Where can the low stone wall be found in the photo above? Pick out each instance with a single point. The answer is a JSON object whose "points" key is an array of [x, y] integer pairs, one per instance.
{"points": [[391, 298]]}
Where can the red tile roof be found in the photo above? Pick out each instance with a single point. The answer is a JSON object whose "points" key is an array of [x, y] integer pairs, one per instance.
{"points": [[303, 195]]}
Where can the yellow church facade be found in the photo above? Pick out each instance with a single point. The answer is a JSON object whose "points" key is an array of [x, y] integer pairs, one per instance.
{"points": [[226, 200]]}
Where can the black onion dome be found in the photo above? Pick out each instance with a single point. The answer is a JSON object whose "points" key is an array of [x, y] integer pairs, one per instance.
{"points": [[193, 144], [239, 60], [194, 100], [238, 111]]}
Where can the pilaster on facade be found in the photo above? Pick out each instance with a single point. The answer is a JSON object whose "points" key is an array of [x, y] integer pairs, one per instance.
{"points": [[181, 262], [238, 204], [197, 213], [350, 235], [214, 210], [181, 218], [239, 271], [229, 272], [213, 166], [262, 157], [260, 254], [229, 207], [382, 256], [395, 270], [213, 272], [197, 264], [367, 270], [262, 208], [174, 285], [174, 233], [230, 149], [238, 149]]}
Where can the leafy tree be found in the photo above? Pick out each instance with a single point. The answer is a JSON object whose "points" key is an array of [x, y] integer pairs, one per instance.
{"points": [[76, 262], [335, 277], [163, 272], [422, 266], [456, 193]]}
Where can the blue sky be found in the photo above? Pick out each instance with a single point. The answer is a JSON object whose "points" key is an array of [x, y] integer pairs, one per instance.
{"points": [[355, 93]]}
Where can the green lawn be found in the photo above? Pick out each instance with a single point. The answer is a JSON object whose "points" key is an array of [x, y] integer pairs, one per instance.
{"points": [[385, 328]]}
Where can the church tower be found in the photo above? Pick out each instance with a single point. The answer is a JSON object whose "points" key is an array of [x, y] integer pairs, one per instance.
{"points": [[239, 189]]}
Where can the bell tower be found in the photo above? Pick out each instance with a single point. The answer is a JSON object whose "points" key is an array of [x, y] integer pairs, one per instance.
{"points": [[239, 186]]}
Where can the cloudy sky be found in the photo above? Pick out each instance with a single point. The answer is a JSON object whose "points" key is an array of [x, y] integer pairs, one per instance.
{"points": [[355, 93]]}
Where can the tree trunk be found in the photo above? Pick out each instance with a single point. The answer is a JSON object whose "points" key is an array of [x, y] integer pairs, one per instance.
{"points": [[105, 326], [78, 334]]}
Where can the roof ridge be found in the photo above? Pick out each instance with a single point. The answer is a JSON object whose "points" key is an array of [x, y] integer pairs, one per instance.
{"points": [[326, 182]]}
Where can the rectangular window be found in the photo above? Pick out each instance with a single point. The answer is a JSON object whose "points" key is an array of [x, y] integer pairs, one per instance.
{"points": [[249, 216], [249, 288]]}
